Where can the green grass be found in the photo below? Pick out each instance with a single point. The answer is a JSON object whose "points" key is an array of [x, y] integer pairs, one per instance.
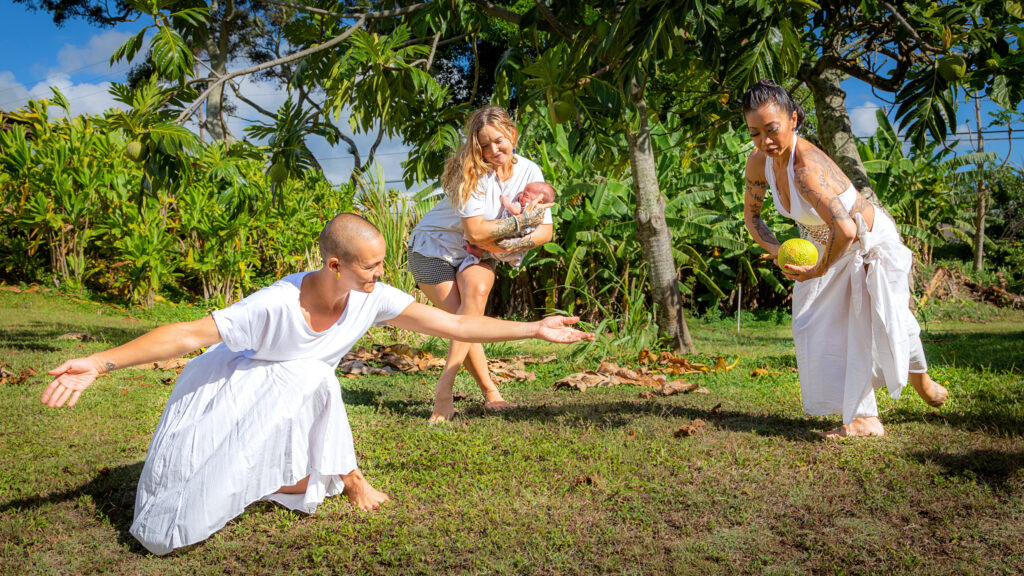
{"points": [[569, 483]]}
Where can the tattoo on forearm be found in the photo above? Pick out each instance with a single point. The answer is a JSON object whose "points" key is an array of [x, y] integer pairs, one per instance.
{"points": [[516, 244], [504, 227], [764, 233], [109, 366]]}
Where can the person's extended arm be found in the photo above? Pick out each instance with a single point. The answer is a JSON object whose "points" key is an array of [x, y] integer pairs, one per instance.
{"points": [[436, 322], [753, 200], [821, 187], [167, 341]]}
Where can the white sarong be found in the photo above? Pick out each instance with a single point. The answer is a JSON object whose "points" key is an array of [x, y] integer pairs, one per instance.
{"points": [[853, 328], [235, 430]]}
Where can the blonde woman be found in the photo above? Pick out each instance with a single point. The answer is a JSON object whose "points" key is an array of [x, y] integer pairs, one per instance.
{"points": [[483, 169]]}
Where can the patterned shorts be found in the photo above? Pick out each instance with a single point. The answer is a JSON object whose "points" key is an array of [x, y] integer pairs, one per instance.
{"points": [[430, 271]]}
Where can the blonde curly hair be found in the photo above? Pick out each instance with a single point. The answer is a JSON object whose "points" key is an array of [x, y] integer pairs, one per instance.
{"points": [[464, 169]]}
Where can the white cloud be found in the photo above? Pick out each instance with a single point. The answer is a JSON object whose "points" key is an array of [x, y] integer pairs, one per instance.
{"points": [[84, 76], [93, 59], [863, 120]]}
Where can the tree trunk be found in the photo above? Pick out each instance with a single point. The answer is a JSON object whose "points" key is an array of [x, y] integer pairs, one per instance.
{"points": [[654, 235], [979, 216], [834, 128], [217, 51]]}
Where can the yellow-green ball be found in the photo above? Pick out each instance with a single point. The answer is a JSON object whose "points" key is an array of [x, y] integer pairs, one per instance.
{"points": [[797, 251], [952, 67], [133, 150]]}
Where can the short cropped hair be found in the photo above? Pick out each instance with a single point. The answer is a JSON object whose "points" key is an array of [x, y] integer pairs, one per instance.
{"points": [[342, 233]]}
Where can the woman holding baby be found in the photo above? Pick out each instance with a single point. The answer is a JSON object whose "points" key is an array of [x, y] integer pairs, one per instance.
{"points": [[453, 249]]}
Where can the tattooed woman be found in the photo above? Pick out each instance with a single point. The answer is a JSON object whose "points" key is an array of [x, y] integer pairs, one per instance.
{"points": [[483, 169], [852, 326]]}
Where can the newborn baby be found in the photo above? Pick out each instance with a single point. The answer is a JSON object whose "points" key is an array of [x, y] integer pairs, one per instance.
{"points": [[540, 192]]}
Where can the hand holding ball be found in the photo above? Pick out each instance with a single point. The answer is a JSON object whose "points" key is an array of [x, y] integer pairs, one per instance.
{"points": [[798, 252]]}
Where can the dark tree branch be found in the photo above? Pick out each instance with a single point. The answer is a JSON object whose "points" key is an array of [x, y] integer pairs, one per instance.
{"points": [[187, 113], [910, 29]]}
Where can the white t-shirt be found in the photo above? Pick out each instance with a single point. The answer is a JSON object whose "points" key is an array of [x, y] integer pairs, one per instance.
{"points": [[269, 325], [439, 234]]}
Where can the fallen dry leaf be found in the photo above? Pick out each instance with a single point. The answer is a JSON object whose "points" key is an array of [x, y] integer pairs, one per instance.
{"points": [[9, 377], [82, 336], [717, 409], [720, 365], [759, 372], [702, 390], [647, 394], [172, 364], [690, 429], [678, 387]]}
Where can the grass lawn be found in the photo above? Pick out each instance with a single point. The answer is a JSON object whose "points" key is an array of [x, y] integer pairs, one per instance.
{"points": [[569, 483]]}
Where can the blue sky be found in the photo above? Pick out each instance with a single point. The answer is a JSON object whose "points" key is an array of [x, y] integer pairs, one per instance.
{"points": [[76, 57]]}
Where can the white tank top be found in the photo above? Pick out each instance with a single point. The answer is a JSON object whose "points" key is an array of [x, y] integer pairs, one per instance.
{"points": [[799, 210]]}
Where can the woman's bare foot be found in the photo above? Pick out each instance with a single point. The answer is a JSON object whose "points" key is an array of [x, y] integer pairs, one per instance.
{"points": [[871, 426], [444, 402], [299, 488], [499, 405], [929, 390], [360, 494]]}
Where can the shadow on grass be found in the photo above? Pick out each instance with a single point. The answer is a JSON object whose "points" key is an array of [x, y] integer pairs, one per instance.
{"points": [[44, 336], [984, 351], [613, 414], [112, 491], [993, 468]]}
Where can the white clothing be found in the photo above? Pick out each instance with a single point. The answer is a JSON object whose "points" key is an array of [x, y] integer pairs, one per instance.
{"points": [[439, 233], [512, 258], [799, 210], [852, 327], [259, 411]]}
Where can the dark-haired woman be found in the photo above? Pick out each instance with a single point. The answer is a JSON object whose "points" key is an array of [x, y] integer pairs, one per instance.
{"points": [[852, 326]]}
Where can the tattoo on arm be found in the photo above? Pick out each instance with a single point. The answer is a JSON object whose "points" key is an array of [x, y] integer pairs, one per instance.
{"points": [[109, 366], [755, 193], [516, 244], [504, 227]]}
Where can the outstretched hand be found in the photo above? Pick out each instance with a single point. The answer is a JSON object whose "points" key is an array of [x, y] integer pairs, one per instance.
{"points": [[557, 329], [72, 377]]}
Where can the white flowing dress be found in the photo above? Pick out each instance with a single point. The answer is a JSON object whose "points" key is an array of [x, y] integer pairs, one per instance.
{"points": [[852, 328], [259, 411]]}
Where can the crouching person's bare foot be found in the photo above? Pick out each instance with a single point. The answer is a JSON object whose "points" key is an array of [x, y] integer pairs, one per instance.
{"points": [[359, 492], [864, 426], [929, 390]]}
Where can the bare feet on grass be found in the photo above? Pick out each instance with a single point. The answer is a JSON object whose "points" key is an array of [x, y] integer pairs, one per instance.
{"points": [[444, 405], [493, 401], [859, 427], [360, 494], [929, 390]]}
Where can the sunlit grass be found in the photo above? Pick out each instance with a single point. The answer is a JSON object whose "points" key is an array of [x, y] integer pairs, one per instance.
{"points": [[568, 483]]}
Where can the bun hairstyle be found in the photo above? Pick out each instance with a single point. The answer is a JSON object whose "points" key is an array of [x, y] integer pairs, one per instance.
{"points": [[767, 92]]}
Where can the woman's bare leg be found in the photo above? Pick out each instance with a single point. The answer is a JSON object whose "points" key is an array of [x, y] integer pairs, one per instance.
{"points": [[475, 283], [447, 297]]}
